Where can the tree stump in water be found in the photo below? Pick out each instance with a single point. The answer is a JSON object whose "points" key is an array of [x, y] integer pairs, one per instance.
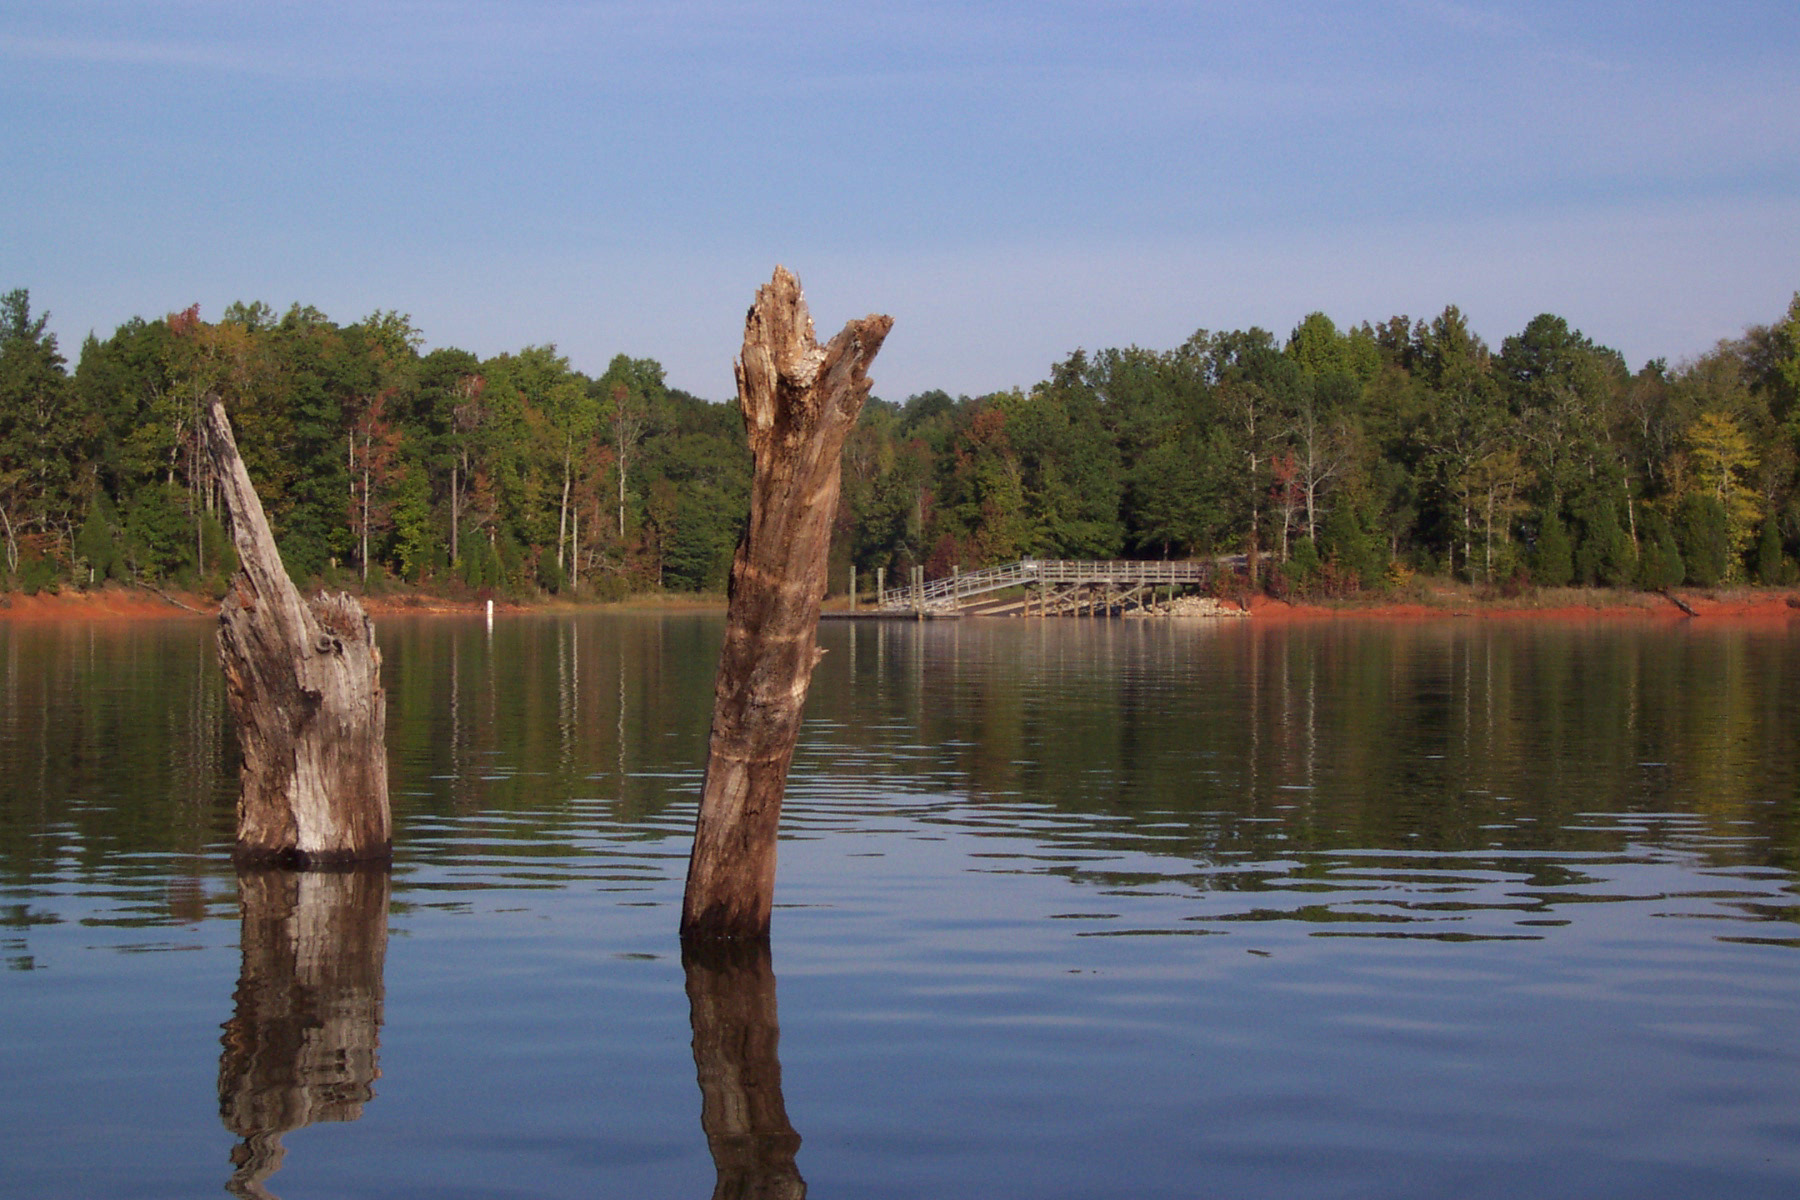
{"points": [[304, 683], [800, 401]]}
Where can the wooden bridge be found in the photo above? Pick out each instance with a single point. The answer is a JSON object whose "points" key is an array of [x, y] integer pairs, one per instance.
{"points": [[1046, 587]]}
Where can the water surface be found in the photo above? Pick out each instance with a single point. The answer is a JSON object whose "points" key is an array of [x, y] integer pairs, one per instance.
{"points": [[1065, 909]]}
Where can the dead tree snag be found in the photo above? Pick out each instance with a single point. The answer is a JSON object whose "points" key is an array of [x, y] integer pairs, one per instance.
{"points": [[800, 401], [304, 683]]}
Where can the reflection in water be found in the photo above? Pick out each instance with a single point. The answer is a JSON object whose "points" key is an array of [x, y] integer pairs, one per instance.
{"points": [[731, 1001], [302, 1045], [1465, 909]]}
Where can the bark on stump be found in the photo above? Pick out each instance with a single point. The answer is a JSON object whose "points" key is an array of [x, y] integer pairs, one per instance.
{"points": [[304, 683], [800, 401]]}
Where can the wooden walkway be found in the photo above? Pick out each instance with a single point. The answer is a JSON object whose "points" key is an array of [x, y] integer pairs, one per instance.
{"points": [[1047, 587]]}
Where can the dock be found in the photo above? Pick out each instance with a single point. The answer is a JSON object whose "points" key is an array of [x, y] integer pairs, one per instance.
{"points": [[1040, 587]]}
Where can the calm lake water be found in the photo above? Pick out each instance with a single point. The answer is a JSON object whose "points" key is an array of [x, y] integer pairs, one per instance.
{"points": [[1066, 909]]}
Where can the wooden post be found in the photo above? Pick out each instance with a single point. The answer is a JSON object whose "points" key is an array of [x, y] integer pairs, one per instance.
{"points": [[880, 587], [852, 587], [800, 401], [304, 684]]}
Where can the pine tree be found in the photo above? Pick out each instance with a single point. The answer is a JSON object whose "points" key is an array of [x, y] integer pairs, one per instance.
{"points": [[1705, 538], [97, 547], [1660, 565], [1768, 553], [1605, 553], [1552, 563]]}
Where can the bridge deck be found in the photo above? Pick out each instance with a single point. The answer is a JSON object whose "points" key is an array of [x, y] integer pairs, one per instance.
{"points": [[1068, 578]]}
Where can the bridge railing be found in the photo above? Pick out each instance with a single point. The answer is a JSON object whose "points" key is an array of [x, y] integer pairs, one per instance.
{"points": [[948, 593]]}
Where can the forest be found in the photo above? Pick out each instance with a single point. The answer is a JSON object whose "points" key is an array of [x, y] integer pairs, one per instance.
{"points": [[1333, 461]]}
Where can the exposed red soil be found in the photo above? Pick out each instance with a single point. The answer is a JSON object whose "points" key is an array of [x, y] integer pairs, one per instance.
{"points": [[1738, 609], [138, 604], [106, 604], [415, 605], [1770, 610]]}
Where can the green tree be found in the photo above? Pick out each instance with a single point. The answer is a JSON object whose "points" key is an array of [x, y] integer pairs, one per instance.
{"points": [[1301, 571], [1070, 467], [698, 479], [1660, 564], [1723, 460], [1323, 423], [990, 491], [443, 425], [1769, 563], [1250, 379], [1180, 494], [550, 575], [415, 536], [631, 396], [1604, 553], [1703, 532], [1552, 562], [1322, 352], [47, 439], [1786, 366], [1496, 482], [1343, 543], [157, 542], [376, 471], [320, 379], [125, 380], [96, 545], [570, 416], [1466, 421], [1558, 384]]}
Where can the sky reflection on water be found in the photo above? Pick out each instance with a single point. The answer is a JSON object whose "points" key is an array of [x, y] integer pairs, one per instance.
{"points": [[1065, 909]]}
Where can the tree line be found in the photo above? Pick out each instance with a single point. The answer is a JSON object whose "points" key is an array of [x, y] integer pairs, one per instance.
{"points": [[1331, 461], [1336, 460], [375, 463]]}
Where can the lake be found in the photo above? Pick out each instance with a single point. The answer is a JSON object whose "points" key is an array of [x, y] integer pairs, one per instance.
{"points": [[1065, 909]]}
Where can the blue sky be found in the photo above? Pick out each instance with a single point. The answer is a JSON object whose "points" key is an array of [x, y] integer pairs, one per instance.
{"points": [[1010, 181]]}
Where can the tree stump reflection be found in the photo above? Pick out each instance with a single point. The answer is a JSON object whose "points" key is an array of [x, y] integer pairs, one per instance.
{"points": [[301, 1046], [731, 1001]]}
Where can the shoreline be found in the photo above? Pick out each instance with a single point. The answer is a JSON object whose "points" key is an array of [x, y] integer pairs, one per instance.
{"points": [[116, 603], [1774, 608], [1770, 609]]}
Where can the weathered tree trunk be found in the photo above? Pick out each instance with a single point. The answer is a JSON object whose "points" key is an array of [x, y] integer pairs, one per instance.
{"points": [[562, 511], [302, 1045], [731, 1003], [800, 401], [304, 683]]}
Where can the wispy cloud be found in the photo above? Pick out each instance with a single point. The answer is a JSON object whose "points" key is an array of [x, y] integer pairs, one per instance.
{"points": [[1468, 18], [101, 51]]}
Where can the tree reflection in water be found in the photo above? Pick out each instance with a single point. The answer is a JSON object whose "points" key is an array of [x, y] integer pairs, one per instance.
{"points": [[731, 1001], [302, 1044]]}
